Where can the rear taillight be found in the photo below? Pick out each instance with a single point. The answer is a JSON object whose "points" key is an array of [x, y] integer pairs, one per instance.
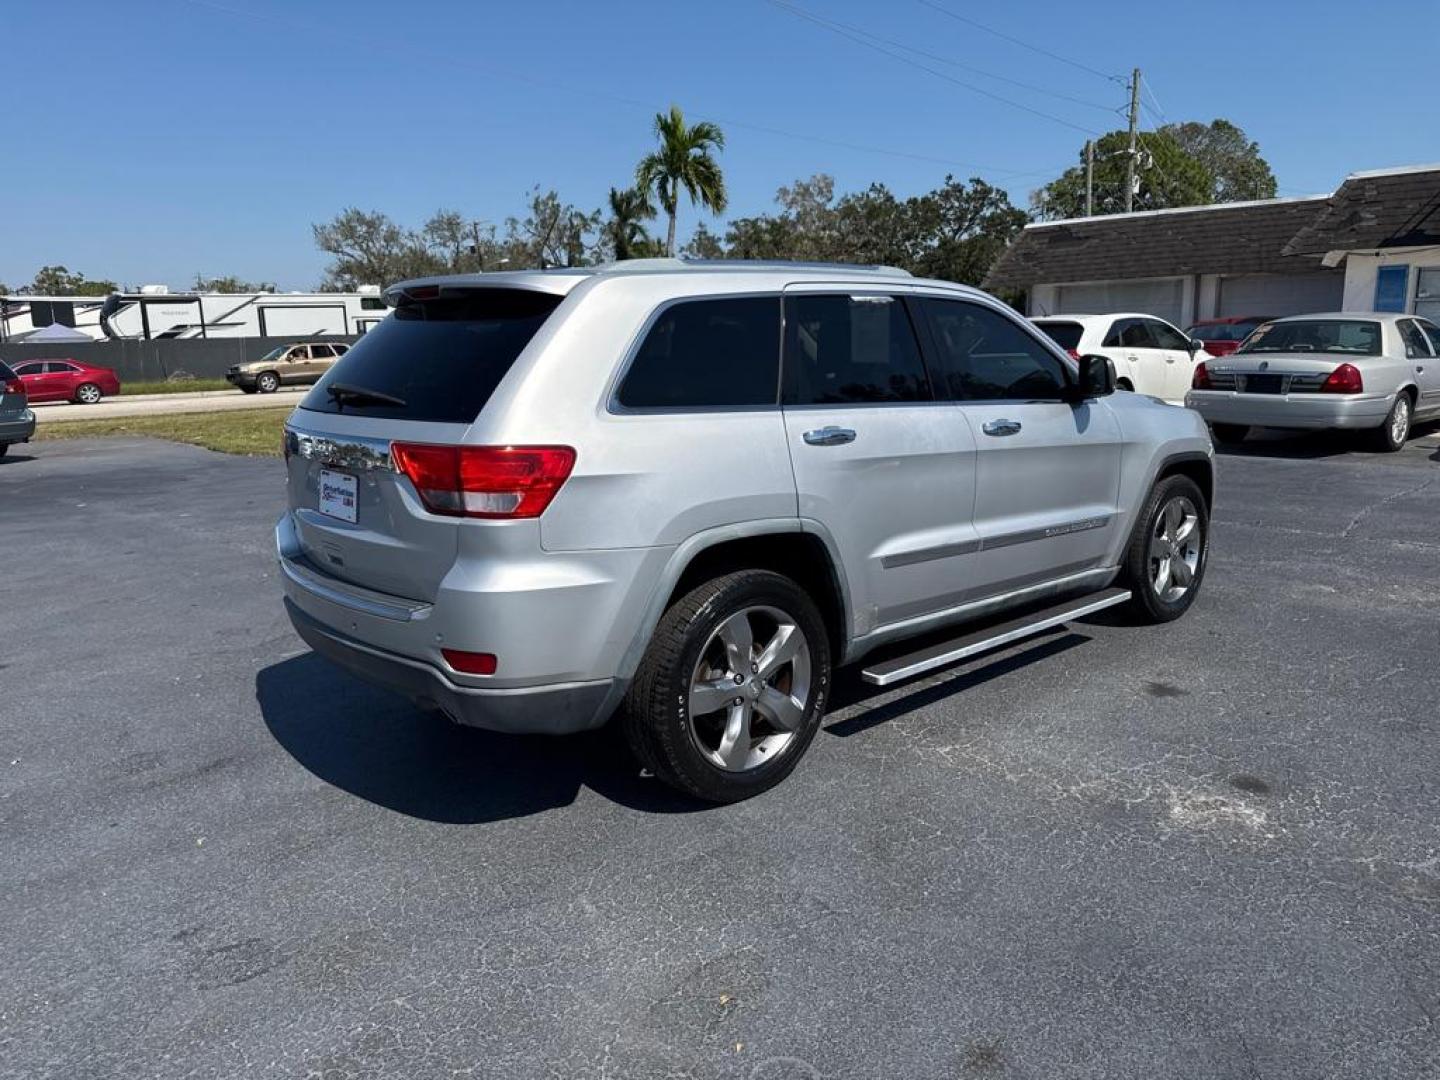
{"points": [[1201, 379], [1345, 379], [485, 481], [14, 386]]}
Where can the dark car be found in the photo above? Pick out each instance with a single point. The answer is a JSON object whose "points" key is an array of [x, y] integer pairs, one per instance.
{"points": [[17, 422], [1222, 337], [67, 380]]}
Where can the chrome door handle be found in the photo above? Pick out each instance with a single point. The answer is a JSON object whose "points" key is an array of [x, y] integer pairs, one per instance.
{"points": [[1001, 427], [829, 436]]}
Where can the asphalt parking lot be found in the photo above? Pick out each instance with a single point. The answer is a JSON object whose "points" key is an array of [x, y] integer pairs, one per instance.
{"points": [[1208, 850]]}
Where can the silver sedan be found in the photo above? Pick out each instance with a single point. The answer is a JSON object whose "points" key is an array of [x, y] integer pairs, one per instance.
{"points": [[1373, 371]]}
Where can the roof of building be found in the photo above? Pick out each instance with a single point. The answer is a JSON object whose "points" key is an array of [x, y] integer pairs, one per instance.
{"points": [[1228, 238], [1374, 210]]}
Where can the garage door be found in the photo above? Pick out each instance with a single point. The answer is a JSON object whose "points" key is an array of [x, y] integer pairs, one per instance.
{"points": [[1281, 294], [1153, 297]]}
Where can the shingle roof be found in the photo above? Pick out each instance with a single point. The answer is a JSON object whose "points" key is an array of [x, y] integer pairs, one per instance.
{"points": [[1230, 238], [1395, 208]]}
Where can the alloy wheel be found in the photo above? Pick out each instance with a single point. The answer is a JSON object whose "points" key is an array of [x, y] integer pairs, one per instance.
{"points": [[1175, 549], [88, 394], [1400, 421], [749, 689]]}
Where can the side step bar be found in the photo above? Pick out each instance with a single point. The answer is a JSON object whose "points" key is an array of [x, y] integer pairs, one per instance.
{"points": [[990, 637]]}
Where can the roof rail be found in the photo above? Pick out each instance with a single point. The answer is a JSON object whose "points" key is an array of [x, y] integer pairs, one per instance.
{"points": [[635, 266]]}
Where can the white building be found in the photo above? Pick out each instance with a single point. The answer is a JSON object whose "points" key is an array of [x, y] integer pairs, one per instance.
{"points": [[155, 312], [1372, 245]]}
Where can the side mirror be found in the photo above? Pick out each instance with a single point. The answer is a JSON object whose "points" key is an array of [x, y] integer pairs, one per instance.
{"points": [[1196, 345], [1097, 377]]}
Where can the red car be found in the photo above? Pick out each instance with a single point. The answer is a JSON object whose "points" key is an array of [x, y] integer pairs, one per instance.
{"points": [[1222, 337], [66, 380]]}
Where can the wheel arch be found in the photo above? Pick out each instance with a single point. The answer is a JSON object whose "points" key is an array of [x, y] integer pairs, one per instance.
{"points": [[1195, 465], [785, 546]]}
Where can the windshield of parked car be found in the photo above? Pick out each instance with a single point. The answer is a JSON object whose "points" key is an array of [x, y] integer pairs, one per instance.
{"points": [[1222, 331], [1065, 334], [1349, 337]]}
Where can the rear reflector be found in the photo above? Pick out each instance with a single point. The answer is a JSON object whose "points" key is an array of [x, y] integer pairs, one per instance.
{"points": [[1345, 379], [1201, 379], [471, 663], [485, 481], [14, 386]]}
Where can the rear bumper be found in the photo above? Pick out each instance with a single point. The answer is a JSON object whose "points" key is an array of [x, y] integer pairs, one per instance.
{"points": [[1300, 411], [560, 709], [19, 428]]}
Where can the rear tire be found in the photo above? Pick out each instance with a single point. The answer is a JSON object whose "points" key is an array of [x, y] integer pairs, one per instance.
{"points": [[88, 394], [760, 726], [1391, 436], [267, 382], [1165, 561], [1229, 434]]}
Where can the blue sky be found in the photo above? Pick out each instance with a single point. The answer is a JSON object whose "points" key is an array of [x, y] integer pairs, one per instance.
{"points": [[155, 140]]}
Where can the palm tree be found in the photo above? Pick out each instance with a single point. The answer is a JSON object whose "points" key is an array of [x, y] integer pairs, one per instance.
{"points": [[629, 210], [683, 161]]}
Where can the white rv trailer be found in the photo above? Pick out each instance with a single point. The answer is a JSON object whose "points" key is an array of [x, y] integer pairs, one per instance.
{"points": [[155, 312]]}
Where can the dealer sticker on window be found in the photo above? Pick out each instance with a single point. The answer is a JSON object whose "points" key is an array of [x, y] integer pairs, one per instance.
{"points": [[337, 495]]}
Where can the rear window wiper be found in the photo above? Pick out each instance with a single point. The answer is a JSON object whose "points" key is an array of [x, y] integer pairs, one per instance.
{"points": [[344, 394]]}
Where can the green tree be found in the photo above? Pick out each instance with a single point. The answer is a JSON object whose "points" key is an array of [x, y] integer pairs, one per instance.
{"points": [[370, 249], [703, 244], [462, 245], [58, 281], [964, 229], [685, 159], [630, 208], [554, 233], [230, 284], [1167, 176], [1232, 158]]}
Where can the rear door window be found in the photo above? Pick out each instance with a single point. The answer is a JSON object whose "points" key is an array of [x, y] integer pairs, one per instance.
{"points": [[851, 349], [708, 354], [439, 360], [985, 356]]}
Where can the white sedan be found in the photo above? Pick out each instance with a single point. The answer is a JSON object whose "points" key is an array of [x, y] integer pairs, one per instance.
{"points": [[1150, 356]]}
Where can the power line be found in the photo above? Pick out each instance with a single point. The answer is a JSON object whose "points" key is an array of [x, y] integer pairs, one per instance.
{"points": [[838, 29], [1017, 41], [1157, 110], [589, 91], [948, 60]]}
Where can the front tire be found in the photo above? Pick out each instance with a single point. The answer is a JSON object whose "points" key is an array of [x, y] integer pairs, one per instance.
{"points": [[1391, 436], [267, 382], [1165, 561], [732, 687], [88, 394], [1229, 434]]}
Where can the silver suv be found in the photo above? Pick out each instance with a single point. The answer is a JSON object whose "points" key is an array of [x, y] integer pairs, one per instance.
{"points": [[682, 493]]}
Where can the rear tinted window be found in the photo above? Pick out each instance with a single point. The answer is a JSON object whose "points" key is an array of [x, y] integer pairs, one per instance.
{"points": [[1343, 337], [708, 354], [1065, 334], [851, 349], [443, 358]]}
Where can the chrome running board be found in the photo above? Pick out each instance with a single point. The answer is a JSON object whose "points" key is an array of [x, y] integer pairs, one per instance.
{"points": [[990, 637]]}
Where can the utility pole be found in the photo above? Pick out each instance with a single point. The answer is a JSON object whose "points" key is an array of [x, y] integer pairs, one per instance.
{"points": [[1089, 178], [1130, 154]]}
